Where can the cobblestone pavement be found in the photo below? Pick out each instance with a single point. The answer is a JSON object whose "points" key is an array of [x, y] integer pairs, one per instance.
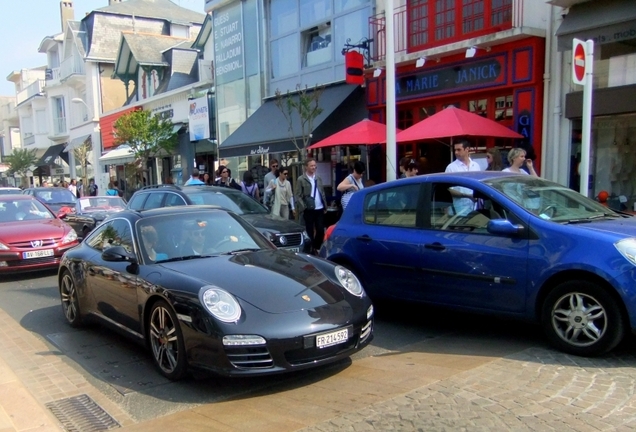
{"points": [[534, 390]]}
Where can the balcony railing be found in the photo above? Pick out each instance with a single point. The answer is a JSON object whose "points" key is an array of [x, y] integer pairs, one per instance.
{"points": [[53, 74], [71, 66], [421, 26], [59, 125], [33, 89]]}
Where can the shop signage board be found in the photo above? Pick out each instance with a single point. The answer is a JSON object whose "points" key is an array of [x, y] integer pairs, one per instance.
{"points": [[228, 44], [199, 119]]}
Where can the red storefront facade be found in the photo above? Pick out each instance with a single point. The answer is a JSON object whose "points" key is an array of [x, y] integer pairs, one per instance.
{"points": [[504, 84]]}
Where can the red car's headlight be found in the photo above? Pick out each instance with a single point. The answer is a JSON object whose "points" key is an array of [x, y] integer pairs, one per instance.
{"points": [[70, 237]]}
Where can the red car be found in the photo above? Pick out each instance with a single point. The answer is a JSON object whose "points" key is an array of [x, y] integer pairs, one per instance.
{"points": [[31, 237]]}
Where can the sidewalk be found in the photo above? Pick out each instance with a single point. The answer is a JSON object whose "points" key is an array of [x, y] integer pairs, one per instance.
{"points": [[33, 374]]}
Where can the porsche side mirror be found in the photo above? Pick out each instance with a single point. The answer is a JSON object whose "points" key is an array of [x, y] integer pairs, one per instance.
{"points": [[118, 254], [504, 227]]}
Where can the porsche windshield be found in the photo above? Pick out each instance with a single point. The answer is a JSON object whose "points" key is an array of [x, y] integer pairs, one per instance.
{"points": [[550, 201], [196, 235]]}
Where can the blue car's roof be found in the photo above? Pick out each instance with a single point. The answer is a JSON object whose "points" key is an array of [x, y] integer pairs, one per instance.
{"points": [[446, 177]]}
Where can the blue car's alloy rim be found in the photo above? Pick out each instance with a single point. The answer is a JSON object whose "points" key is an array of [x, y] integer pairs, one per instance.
{"points": [[579, 319]]}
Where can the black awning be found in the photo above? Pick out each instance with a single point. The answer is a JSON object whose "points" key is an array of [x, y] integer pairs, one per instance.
{"points": [[48, 158], [267, 130], [603, 22]]}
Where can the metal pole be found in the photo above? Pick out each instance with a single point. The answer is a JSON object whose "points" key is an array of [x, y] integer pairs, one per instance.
{"points": [[584, 166], [391, 148]]}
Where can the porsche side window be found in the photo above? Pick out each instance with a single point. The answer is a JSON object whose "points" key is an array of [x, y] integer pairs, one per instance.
{"points": [[395, 206], [97, 238], [121, 235]]}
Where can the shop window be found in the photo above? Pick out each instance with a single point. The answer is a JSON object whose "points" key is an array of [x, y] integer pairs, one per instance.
{"points": [[444, 19], [426, 112], [343, 5], [503, 108], [455, 104], [285, 56], [479, 107], [472, 16], [353, 26], [317, 43]]}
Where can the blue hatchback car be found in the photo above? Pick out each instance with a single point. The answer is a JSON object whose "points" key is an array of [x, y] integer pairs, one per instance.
{"points": [[496, 243]]}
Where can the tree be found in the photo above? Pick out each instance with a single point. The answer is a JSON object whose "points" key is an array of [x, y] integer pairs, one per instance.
{"points": [[145, 133], [81, 154], [300, 110], [20, 161]]}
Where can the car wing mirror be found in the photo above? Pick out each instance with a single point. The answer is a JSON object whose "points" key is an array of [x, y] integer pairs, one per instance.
{"points": [[504, 227], [118, 254]]}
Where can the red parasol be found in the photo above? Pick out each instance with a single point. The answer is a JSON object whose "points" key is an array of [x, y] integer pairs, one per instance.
{"points": [[364, 132], [454, 122]]}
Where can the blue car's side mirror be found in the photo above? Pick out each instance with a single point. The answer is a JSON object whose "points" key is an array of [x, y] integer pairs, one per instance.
{"points": [[503, 227]]}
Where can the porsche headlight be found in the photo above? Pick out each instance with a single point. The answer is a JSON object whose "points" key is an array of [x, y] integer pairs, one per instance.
{"points": [[70, 237], [349, 281], [627, 248], [220, 303]]}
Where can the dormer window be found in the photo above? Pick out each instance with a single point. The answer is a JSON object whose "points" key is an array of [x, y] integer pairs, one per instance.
{"points": [[178, 30]]}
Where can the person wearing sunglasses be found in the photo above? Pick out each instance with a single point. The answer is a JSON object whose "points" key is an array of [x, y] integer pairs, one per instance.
{"points": [[283, 198], [225, 180]]}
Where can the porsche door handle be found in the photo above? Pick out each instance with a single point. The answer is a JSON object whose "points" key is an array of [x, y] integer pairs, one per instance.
{"points": [[435, 246], [364, 238]]}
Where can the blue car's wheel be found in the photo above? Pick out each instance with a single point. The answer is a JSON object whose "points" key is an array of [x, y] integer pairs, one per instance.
{"points": [[582, 318], [166, 341]]}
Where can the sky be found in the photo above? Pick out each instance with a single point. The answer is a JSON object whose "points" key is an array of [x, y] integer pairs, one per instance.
{"points": [[27, 22]]}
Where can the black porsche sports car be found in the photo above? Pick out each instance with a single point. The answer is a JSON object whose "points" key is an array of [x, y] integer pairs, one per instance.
{"points": [[204, 289], [91, 211]]}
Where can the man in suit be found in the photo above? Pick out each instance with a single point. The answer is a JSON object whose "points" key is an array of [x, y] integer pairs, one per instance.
{"points": [[309, 188]]}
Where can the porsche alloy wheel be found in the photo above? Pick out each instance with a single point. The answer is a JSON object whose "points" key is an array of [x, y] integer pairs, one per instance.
{"points": [[582, 318], [166, 341], [70, 303]]}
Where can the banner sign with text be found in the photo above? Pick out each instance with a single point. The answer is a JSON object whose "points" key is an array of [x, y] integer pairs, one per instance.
{"points": [[228, 44], [199, 119]]}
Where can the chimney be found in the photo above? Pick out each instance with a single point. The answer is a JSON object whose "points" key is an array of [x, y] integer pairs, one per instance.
{"points": [[112, 2], [66, 13]]}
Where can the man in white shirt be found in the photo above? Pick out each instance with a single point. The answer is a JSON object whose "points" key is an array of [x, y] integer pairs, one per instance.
{"points": [[462, 197]]}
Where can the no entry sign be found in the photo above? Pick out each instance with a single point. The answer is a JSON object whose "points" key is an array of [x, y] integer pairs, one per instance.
{"points": [[578, 61]]}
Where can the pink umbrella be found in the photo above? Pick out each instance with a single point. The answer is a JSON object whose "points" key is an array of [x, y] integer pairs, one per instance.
{"points": [[364, 132], [454, 122]]}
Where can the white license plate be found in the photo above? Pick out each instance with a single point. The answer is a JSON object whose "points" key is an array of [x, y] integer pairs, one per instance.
{"points": [[333, 338], [37, 254], [293, 249]]}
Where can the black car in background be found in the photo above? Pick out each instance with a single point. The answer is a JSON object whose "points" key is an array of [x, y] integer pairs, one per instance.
{"points": [[55, 198], [91, 211], [284, 233], [203, 288]]}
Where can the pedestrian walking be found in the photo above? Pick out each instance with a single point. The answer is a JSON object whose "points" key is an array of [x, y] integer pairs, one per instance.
{"points": [[72, 187], [249, 187], [351, 184], [495, 161], [225, 179], [311, 203], [92, 188], [112, 189], [281, 190], [462, 197], [517, 159], [194, 179]]}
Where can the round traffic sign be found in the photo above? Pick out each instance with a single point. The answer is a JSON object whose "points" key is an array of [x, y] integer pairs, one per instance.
{"points": [[579, 62]]}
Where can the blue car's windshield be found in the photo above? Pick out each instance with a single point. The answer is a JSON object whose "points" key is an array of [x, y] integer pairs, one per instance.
{"points": [[548, 200]]}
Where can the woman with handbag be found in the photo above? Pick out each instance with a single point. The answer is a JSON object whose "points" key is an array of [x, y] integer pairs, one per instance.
{"points": [[281, 190], [352, 183]]}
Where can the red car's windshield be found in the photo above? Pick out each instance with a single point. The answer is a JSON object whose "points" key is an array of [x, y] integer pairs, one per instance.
{"points": [[11, 211]]}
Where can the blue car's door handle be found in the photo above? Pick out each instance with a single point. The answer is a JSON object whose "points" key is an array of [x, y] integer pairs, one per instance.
{"points": [[435, 246], [364, 238]]}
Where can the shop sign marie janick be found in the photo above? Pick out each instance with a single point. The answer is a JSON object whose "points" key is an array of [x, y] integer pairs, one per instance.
{"points": [[485, 73]]}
